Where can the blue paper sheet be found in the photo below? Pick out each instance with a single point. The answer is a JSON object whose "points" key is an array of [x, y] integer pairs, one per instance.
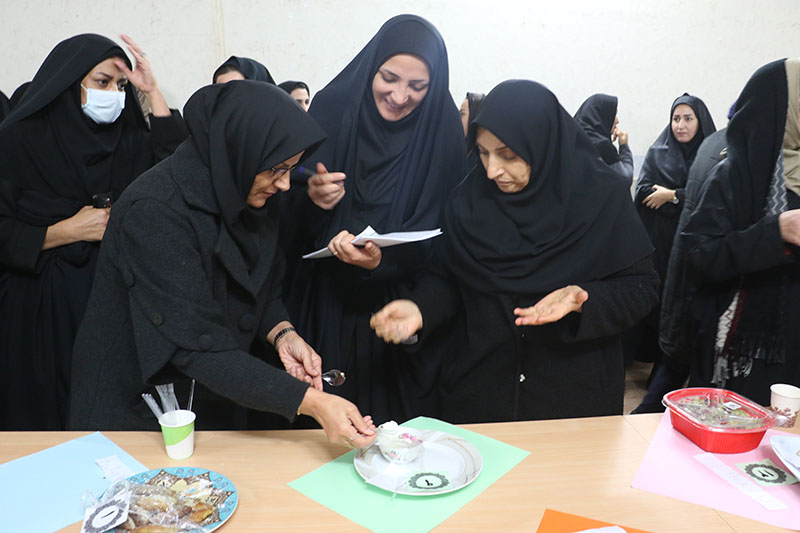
{"points": [[42, 491]]}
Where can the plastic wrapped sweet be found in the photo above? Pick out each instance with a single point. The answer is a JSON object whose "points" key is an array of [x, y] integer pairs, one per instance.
{"points": [[156, 509]]}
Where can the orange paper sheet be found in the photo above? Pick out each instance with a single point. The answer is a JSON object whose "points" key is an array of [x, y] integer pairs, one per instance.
{"points": [[558, 522]]}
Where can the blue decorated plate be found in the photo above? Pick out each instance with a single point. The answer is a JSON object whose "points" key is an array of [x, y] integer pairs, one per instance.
{"points": [[199, 483]]}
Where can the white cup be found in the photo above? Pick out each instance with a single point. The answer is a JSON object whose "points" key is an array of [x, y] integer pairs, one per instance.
{"points": [[785, 401], [177, 427]]}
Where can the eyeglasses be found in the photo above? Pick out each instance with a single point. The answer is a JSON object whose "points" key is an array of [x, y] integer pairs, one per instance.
{"points": [[280, 171]]}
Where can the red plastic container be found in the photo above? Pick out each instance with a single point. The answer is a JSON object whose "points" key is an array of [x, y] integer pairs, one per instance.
{"points": [[718, 420]]}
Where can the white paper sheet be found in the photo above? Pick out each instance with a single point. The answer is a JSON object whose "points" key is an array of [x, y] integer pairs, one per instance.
{"points": [[388, 239]]}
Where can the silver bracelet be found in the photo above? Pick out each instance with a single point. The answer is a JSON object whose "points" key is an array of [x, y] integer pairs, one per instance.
{"points": [[280, 334]]}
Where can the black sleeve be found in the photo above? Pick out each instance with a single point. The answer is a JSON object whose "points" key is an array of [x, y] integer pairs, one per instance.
{"points": [[166, 133], [274, 310], [20, 243], [719, 252], [436, 294], [625, 164], [644, 184], [644, 187], [615, 303]]}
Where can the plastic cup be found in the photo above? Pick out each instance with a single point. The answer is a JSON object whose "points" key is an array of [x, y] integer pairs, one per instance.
{"points": [[785, 401], [177, 427]]}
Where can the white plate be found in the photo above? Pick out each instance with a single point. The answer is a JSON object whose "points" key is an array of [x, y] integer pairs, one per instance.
{"points": [[447, 463], [787, 449]]}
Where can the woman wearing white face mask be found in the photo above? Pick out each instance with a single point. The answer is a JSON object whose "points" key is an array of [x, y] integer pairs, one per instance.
{"points": [[73, 143]]}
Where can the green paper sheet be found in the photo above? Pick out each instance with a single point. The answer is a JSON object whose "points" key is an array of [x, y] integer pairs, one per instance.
{"points": [[338, 486]]}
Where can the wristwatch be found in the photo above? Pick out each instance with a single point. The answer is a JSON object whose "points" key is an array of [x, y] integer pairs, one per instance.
{"points": [[674, 198]]}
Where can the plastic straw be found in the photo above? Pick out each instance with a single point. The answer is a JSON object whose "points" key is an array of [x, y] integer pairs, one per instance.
{"points": [[191, 396], [153, 405]]}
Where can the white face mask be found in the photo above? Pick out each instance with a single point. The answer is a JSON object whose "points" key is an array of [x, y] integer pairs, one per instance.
{"points": [[104, 107]]}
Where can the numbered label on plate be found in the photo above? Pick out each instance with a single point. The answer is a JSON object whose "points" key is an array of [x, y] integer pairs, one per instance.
{"points": [[427, 481]]}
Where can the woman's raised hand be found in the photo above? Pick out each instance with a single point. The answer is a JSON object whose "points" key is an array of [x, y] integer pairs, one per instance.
{"points": [[552, 307], [326, 188], [143, 79], [342, 247], [397, 321]]}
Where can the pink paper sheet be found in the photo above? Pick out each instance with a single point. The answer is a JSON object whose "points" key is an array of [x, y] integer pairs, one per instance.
{"points": [[670, 469]]}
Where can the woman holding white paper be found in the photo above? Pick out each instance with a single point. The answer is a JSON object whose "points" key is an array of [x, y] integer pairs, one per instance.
{"points": [[394, 151], [543, 262]]}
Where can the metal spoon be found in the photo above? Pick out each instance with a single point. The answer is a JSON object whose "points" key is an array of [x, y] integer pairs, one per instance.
{"points": [[334, 377]]}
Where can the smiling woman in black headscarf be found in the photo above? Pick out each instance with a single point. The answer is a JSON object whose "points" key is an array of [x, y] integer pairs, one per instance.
{"points": [[742, 240], [241, 68], [598, 118], [544, 262], [189, 278], [659, 200], [78, 133], [395, 149]]}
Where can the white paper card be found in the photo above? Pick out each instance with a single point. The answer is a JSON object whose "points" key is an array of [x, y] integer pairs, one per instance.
{"points": [[387, 239], [740, 482], [113, 468]]}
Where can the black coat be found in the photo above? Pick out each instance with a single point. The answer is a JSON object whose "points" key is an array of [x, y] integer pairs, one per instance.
{"points": [[719, 255], [172, 300], [677, 327], [495, 371]]}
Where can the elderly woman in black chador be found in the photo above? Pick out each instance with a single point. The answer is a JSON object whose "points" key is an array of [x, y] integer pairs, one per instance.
{"points": [[543, 261]]}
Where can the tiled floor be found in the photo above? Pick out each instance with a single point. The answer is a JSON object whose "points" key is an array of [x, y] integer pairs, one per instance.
{"points": [[635, 384]]}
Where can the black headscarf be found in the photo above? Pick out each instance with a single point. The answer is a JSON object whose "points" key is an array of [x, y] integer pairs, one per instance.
{"points": [[240, 129], [573, 222], [408, 166], [5, 106], [754, 137], [596, 116], [668, 160], [291, 85], [249, 68], [474, 101], [18, 93], [55, 153]]}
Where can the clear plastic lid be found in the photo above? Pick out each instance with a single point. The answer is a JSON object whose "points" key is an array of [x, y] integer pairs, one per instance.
{"points": [[719, 409]]}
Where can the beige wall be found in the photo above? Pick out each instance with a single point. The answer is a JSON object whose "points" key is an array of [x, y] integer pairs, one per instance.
{"points": [[647, 52]]}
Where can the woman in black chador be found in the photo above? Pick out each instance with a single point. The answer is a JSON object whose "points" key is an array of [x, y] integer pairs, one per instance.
{"points": [[395, 149], [242, 68], [659, 200], [543, 261], [69, 148], [598, 118]]}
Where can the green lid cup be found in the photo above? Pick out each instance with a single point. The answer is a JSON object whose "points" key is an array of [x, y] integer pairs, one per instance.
{"points": [[177, 427]]}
